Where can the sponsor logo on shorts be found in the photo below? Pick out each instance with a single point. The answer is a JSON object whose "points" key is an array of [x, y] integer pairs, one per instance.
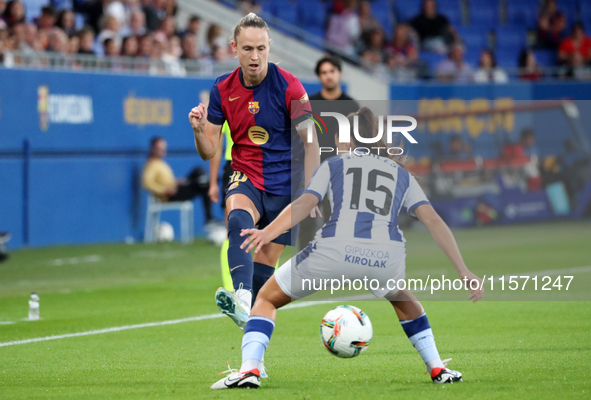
{"points": [[233, 186], [365, 256]]}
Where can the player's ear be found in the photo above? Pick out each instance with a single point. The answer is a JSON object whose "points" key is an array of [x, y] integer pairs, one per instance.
{"points": [[234, 48]]}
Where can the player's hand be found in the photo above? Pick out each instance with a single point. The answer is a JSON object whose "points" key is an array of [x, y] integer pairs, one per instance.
{"points": [[255, 240], [171, 191], [198, 116], [315, 213], [214, 193], [471, 279]]}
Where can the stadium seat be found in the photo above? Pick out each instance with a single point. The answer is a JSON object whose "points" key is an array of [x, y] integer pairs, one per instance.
{"points": [[473, 37], [431, 59], [586, 14], [33, 8], [155, 207], [382, 11], [484, 13], [545, 58], [510, 38], [452, 9], [407, 9], [507, 58], [522, 13], [312, 14], [286, 10]]}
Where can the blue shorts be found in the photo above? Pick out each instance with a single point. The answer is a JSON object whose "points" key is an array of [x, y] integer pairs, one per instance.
{"points": [[268, 205]]}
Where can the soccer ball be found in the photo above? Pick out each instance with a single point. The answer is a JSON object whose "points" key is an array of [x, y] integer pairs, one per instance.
{"points": [[165, 232], [346, 331]]}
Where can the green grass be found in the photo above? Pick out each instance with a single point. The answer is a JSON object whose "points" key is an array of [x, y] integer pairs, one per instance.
{"points": [[517, 349]]}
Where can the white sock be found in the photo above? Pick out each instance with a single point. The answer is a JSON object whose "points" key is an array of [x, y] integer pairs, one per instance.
{"points": [[245, 296], [247, 365]]}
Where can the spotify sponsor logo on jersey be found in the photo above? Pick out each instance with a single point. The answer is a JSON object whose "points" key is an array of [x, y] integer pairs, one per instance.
{"points": [[258, 135]]}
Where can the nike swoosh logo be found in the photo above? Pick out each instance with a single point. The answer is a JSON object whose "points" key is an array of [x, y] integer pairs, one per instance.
{"points": [[236, 267], [232, 99]]}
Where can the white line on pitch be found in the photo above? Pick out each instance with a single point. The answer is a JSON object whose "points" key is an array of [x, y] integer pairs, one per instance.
{"points": [[214, 316]]}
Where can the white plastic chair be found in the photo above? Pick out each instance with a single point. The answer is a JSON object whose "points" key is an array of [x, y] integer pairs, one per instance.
{"points": [[155, 207]]}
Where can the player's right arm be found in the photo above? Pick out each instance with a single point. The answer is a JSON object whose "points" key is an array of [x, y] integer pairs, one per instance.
{"points": [[214, 169], [207, 135], [446, 241]]}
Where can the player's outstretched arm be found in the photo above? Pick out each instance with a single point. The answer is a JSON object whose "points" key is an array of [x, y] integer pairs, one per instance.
{"points": [[446, 241], [207, 135], [291, 215]]}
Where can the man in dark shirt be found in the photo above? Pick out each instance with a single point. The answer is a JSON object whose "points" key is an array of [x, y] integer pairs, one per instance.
{"points": [[330, 99], [433, 28], [328, 70]]}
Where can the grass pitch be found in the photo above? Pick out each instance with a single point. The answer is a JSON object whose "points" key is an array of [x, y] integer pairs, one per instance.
{"points": [[517, 349]]}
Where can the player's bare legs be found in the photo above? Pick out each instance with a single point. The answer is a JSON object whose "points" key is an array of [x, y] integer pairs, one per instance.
{"points": [[414, 321]]}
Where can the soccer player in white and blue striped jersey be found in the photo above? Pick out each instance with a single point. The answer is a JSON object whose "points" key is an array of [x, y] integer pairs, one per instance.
{"points": [[362, 240]]}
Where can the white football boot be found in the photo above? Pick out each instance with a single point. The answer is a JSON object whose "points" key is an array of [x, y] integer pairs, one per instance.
{"points": [[237, 379], [232, 306], [445, 375]]}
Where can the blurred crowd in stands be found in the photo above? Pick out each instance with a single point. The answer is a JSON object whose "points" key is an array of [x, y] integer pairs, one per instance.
{"points": [[449, 40], [114, 29], [352, 28]]}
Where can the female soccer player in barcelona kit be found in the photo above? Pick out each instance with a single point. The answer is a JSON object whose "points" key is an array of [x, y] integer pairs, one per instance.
{"points": [[367, 192], [260, 102]]}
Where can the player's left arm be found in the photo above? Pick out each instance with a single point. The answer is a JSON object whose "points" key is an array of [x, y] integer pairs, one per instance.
{"points": [[291, 215]]}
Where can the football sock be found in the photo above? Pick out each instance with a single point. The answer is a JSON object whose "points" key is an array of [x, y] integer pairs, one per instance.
{"points": [[256, 338], [239, 261], [262, 273], [226, 276], [421, 336]]}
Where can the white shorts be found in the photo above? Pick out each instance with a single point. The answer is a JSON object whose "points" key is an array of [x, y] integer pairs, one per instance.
{"points": [[328, 259]]}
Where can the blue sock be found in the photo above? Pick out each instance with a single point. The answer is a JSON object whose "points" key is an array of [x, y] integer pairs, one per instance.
{"points": [[239, 261], [262, 273], [256, 338], [421, 336]]}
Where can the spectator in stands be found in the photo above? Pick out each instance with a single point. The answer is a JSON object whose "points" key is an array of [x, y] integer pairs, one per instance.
{"points": [[576, 43], [343, 27], [129, 46], [434, 29], [86, 42], [155, 12], [551, 26], [14, 13], [4, 237], [375, 40], [578, 69], [528, 66], [73, 44], [189, 47], [215, 37], [30, 42], [93, 11], [66, 22], [247, 6], [193, 26], [2, 9], [57, 41], [110, 25], [167, 27], [110, 48], [158, 179], [145, 45], [46, 20], [402, 46], [137, 25], [488, 71], [458, 149], [454, 68], [367, 22]]}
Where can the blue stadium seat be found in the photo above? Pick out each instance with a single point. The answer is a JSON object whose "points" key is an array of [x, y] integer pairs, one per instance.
{"points": [[452, 9], [507, 59], [382, 11], [522, 13], [586, 15], [484, 13], [312, 14], [545, 58], [33, 8], [511, 38], [431, 59], [473, 37], [287, 10], [407, 9]]}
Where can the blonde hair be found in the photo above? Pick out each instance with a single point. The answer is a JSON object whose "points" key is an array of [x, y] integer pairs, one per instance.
{"points": [[249, 21]]}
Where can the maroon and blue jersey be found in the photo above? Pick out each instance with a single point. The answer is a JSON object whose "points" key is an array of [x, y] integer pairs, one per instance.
{"points": [[260, 119]]}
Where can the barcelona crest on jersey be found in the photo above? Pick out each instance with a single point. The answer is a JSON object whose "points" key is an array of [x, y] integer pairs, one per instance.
{"points": [[253, 107]]}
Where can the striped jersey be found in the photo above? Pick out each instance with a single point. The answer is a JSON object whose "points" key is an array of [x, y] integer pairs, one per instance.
{"points": [[260, 119], [366, 193]]}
